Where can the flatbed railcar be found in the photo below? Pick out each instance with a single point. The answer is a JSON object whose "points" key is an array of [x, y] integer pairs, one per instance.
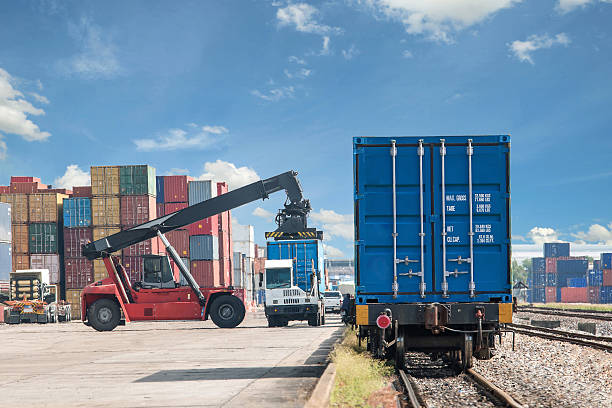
{"points": [[432, 244]]}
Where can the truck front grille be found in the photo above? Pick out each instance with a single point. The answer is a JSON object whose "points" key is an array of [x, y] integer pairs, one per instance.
{"points": [[291, 300], [291, 292]]}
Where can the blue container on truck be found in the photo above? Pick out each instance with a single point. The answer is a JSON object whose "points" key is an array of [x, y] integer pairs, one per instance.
{"points": [[432, 240], [305, 254], [556, 249]]}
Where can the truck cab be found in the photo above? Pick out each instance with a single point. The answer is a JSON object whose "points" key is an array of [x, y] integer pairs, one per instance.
{"points": [[285, 301]]}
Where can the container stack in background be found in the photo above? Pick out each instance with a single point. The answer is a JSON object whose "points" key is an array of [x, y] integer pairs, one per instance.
{"points": [[559, 277], [244, 258], [78, 270], [6, 249], [204, 238]]}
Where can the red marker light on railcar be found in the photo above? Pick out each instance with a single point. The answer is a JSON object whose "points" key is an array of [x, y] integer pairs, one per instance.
{"points": [[383, 321]]}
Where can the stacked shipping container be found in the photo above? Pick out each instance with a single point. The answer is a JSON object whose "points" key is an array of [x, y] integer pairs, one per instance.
{"points": [[6, 250]]}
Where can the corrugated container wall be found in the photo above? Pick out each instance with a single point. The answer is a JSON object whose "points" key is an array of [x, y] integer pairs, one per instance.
{"points": [[137, 209], [74, 239], [206, 273], [551, 265], [137, 180], [27, 188], [101, 232], [47, 261], [77, 212], [169, 208], [538, 265], [99, 270], [5, 223], [605, 294], [105, 211], [133, 266], [24, 179], [21, 262], [150, 246], [159, 186], [203, 247], [79, 273], [596, 264], [201, 190], [574, 295], [556, 249], [45, 207], [105, 180], [179, 239], [6, 260], [175, 189], [606, 261], [43, 238], [607, 277], [73, 296], [19, 206], [84, 191]]}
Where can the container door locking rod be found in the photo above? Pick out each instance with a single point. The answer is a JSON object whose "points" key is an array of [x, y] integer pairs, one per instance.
{"points": [[421, 274], [470, 153], [445, 273], [394, 286]]}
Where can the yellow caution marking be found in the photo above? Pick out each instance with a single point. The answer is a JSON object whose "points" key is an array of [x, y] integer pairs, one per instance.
{"points": [[361, 315], [505, 312]]}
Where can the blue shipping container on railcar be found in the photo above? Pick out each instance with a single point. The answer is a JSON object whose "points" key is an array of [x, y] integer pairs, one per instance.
{"points": [[306, 254], [432, 199]]}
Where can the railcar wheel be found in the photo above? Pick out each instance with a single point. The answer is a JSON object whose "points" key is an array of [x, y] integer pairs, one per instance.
{"points": [[400, 352]]}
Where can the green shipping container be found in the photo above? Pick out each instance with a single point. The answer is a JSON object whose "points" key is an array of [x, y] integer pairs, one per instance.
{"points": [[43, 238], [137, 180]]}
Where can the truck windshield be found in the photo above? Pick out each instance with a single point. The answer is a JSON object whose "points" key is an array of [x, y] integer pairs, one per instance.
{"points": [[278, 278]]}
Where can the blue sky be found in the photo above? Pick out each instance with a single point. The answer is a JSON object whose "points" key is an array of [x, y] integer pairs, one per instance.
{"points": [[249, 89]]}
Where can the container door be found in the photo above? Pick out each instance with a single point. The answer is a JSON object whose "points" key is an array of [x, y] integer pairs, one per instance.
{"points": [[469, 251]]}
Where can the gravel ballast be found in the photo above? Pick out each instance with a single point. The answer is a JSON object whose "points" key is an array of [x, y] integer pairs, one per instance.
{"points": [[604, 328]]}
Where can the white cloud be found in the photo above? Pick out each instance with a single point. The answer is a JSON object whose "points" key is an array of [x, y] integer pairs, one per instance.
{"points": [[540, 235], [332, 252], [195, 137], [297, 60], [14, 111], [301, 73], [407, 54], [565, 6], [325, 48], [330, 217], [225, 171], [276, 94], [438, 19], [73, 176], [334, 224], [345, 231], [523, 49], [350, 53], [304, 17], [97, 57], [40, 98], [262, 213], [596, 233]]}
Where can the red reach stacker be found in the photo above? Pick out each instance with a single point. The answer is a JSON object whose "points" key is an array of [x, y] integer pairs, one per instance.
{"points": [[160, 295]]}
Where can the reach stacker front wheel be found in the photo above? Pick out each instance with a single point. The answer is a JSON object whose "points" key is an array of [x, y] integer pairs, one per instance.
{"points": [[104, 314], [227, 311]]}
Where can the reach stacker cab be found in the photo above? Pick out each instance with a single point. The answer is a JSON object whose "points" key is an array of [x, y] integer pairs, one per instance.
{"points": [[160, 295]]}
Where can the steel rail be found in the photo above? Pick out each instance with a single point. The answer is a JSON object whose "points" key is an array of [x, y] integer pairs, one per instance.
{"points": [[564, 313], [500, 394], [567, 310], [580, 342], [584, 336], [411, 390]]}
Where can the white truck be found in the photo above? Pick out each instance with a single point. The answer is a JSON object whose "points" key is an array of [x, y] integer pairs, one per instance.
{"points": [[286, 301]]}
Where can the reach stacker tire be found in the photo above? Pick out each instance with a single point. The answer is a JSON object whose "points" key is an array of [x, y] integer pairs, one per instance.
{"points": [[104, 314], [227, 311]]}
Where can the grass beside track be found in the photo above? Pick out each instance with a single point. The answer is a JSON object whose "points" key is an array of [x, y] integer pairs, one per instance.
{"points": [[572, 306], [358, 375]]}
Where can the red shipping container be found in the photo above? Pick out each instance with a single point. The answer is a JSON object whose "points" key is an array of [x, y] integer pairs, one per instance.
{"points": [[27, 188], [225, 272], [133, 267], [74, 238], [137, 209], [79, 273], [148, 247], [175, 189], [593, 293], [160, 209], [5, 189], [18, 179], [207, 226], [58, 190], [206, 273], [551, 265], [607, 277], [179, 239], [84, 191], [50, 262], [169, 208], [574, 295], [551, 294]]}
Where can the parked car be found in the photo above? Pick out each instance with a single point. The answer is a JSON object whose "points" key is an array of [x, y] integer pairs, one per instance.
{"points": [[333, 301]]}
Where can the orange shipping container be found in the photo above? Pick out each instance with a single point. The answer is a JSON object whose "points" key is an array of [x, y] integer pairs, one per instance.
{"points": [[105, 180], [19, 206], [20, 238], [607, 277], [44, 207], [73, 296], [105, 211], [21, 261], [574, 295], [99, 270]]}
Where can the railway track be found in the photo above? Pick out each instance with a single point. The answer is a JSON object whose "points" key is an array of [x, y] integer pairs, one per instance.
{"points": [[605, 316], [582, 339], [444, 374]]}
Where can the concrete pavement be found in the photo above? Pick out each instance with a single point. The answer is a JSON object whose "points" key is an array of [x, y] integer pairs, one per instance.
{"points": [[163, 364]]}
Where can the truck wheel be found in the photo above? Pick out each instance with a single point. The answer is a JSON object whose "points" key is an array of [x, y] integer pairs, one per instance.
{"points": [[227, 311], [314, 320], [104, 314], [272, 321]]}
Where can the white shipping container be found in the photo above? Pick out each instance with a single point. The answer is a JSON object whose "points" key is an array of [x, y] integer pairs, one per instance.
{"points": [[5, 222], [49, 262]]}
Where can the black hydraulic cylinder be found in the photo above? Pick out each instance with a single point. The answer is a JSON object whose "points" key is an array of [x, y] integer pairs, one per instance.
{"points": [[258, 190]]}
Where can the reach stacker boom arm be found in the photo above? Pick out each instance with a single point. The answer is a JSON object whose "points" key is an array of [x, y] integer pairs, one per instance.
{"points": [[159, 296]]}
